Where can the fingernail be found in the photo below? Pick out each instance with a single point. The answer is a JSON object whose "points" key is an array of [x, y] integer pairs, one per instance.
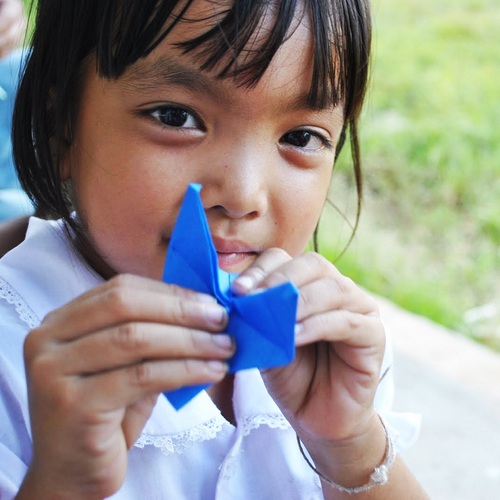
{"points": [[243, 283], [299, 328], [216, 315], [208, 299], [217, 366], [223, 341]]}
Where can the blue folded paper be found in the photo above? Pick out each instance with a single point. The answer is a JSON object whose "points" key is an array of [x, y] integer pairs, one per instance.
{"points": [[262, 323]]}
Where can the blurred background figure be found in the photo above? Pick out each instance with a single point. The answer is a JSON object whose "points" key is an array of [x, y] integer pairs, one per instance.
{"points": [[13, 200]]}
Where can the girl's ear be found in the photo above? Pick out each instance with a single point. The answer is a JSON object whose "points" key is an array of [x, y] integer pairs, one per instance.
{"points": [[59, 146], [59, 151], [64, 169]]}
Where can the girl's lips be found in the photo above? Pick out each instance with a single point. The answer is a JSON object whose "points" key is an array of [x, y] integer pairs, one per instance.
{"points": [[234, 256], [235, 262], [223, 245]]}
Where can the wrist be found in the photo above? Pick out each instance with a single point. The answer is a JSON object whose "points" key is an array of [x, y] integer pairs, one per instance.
{"points": [[356, 464], [37, 485]]}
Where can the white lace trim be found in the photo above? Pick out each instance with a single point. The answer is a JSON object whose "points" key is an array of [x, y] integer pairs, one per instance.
{"points": [[178, 443], [274, 421], [23, 310]]}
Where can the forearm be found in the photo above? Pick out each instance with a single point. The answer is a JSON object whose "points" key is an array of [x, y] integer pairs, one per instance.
{"points": [[349, 465], [39, 489], [401, 484]]}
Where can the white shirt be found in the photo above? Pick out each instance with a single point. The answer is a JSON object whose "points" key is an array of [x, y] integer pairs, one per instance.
{"points": [[193, 453]]}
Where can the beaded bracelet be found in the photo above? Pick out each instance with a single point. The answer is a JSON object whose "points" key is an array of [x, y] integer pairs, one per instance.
{"points": [[379, 476]]}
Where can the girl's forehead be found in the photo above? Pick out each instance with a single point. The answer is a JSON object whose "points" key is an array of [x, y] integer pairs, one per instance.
{"points": [[169, 62], [198, 15], [202, 16]]}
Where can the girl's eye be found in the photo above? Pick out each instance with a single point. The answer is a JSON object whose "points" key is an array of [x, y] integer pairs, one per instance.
{"points": [[305, 139], [172, 116]]}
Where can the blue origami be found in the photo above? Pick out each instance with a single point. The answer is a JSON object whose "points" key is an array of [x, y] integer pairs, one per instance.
{"points": [[262, 323]]}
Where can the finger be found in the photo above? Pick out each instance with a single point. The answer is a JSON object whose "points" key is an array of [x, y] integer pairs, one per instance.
{"points": [[135, 285], [123, 387], [304, 269], [264, 265], [131, 343], [333, 292], [136, 416], [353, 329], [300, 271], [321, 285], [126, 298], [358, 341]]}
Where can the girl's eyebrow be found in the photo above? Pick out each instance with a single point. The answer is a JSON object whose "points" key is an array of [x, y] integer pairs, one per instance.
{"points": [[151, 75]]}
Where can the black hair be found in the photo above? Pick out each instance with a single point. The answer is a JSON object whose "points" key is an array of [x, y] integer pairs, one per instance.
{"points": [[120, 32]]}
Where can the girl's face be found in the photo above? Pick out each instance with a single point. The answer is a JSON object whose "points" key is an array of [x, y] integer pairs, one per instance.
{"points": [[262, 155]]}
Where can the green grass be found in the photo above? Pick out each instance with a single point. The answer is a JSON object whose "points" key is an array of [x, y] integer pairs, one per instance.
{"points": [[430, 233]]}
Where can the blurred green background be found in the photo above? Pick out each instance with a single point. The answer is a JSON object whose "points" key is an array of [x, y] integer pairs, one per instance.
{"points": [[429, 237]]}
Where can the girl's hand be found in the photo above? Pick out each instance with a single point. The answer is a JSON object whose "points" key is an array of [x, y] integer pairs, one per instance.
{"points": [[327, 393], [12, 25], [95, 367]]}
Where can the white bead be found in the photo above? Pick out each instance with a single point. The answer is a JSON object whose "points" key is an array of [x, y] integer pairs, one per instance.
{"points": [[379, 475]]}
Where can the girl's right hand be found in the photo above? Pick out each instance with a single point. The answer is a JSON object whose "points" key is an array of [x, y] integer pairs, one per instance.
{"points": [[95, 368]]}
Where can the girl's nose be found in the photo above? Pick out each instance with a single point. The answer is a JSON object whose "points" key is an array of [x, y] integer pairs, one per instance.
{"points": [[238, 185]]}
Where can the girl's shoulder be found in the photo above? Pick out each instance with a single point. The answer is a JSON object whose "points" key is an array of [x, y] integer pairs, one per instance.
{"points": [[43, 273]]}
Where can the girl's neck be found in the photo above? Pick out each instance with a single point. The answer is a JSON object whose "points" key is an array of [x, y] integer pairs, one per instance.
{"points": [[90, 256], [222, 396]]}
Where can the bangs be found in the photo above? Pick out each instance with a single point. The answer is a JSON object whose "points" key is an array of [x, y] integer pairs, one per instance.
{"points": [[340, 38]]}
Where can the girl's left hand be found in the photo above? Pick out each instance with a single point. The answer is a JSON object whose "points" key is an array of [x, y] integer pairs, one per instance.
{"points": [[327, 393]]}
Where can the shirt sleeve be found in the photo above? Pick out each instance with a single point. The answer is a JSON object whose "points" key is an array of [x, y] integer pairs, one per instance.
{"points": [[404, 427], [12, 472], [15, 434]]}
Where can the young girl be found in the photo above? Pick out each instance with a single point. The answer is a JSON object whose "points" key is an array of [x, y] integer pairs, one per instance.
{"points": [[122, 105]]}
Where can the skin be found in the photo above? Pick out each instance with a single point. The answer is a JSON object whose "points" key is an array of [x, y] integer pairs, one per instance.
{"points": [[12, 25], [264, 185], [12, 232]]}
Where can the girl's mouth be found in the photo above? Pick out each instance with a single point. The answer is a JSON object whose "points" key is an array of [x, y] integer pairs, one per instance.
{"points": [[233, 256], [235, 262]]}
